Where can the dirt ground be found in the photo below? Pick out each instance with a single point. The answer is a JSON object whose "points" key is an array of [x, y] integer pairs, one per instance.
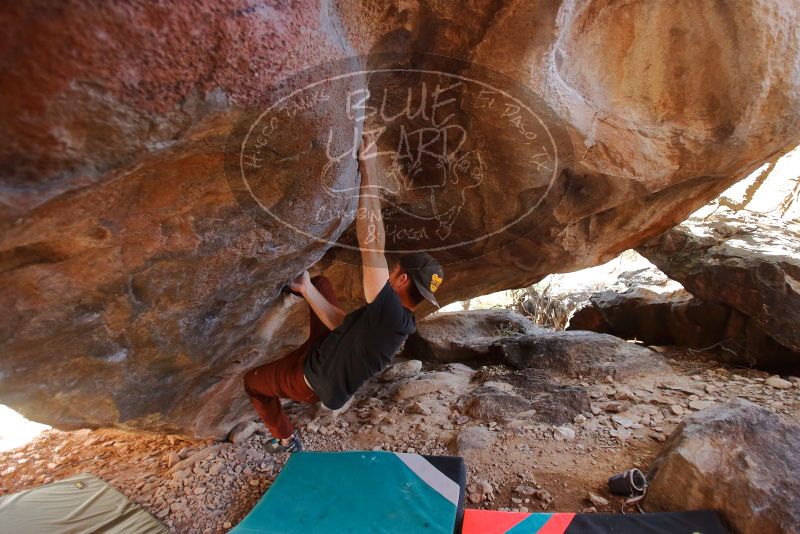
{"points": [[201, 486]]}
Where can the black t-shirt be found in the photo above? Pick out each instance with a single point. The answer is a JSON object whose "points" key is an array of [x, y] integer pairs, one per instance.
{"points": [[358, 348]]}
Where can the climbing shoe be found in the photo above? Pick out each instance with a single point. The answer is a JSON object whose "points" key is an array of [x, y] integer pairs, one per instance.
{"points": [[275, 446]]}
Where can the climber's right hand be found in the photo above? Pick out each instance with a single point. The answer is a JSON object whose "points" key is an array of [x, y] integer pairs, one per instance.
{"points": [[300, 282]]}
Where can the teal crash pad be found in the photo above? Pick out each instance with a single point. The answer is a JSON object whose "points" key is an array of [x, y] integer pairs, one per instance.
{"points": [[359, 491]]}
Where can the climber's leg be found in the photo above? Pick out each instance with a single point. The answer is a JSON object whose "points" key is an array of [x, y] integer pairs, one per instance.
{"points": [[268, 383], [283, 378]]}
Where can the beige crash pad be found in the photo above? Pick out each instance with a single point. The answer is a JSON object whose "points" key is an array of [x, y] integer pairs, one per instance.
{"points": [[79, 504]]}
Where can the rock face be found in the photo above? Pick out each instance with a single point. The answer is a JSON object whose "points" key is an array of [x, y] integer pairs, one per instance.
{"points": [[751, 265], [737, 459], [137, 290], [464, 336]]}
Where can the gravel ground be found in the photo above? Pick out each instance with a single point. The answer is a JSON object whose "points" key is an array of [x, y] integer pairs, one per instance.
{"points": [[513, 464]]}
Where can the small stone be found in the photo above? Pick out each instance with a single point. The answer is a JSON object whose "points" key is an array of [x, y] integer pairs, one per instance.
{"points": [[778, 382], [462, 419], [401, 370], [711, 388], [700, 404], [579, 419], [173, 458], [485, 487], [420, 409], [524, 489], [253, 482], [615, 407], [472, 438], [199, 490], [564, 433], [227, 524], [597, 500], [623, 421], [624, 393], [677, 409], [242, 431]]}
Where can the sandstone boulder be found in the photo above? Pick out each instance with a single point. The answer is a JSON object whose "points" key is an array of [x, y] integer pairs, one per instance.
{"points": [[739, 459], [138, 287], [672, 318], [577, 354], [678, 319], [452, 380], [750, 264], [553, 402], [464, 336], [496, 401]]}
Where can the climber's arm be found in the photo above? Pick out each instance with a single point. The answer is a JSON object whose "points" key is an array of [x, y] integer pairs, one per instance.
{"points": [[332, 316], [327, 312], [369, 222]]}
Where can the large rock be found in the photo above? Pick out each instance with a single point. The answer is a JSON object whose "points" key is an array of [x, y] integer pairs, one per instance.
{"points": [[654, 318], [526, 394], [137, 290], [453, 380], [578, 354], [752, 265], [737, 458], [464, 336], [496, 401], [554, 402], [677, 318]]}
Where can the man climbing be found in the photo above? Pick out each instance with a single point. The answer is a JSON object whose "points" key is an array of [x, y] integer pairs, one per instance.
{"points": [[346, 349]]}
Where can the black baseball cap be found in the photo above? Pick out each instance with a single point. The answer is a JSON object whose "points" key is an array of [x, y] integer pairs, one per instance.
{"points": [[425, 271]]}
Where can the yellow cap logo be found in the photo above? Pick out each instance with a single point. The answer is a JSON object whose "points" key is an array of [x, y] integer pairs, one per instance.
{"points": [[435, 281]]}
